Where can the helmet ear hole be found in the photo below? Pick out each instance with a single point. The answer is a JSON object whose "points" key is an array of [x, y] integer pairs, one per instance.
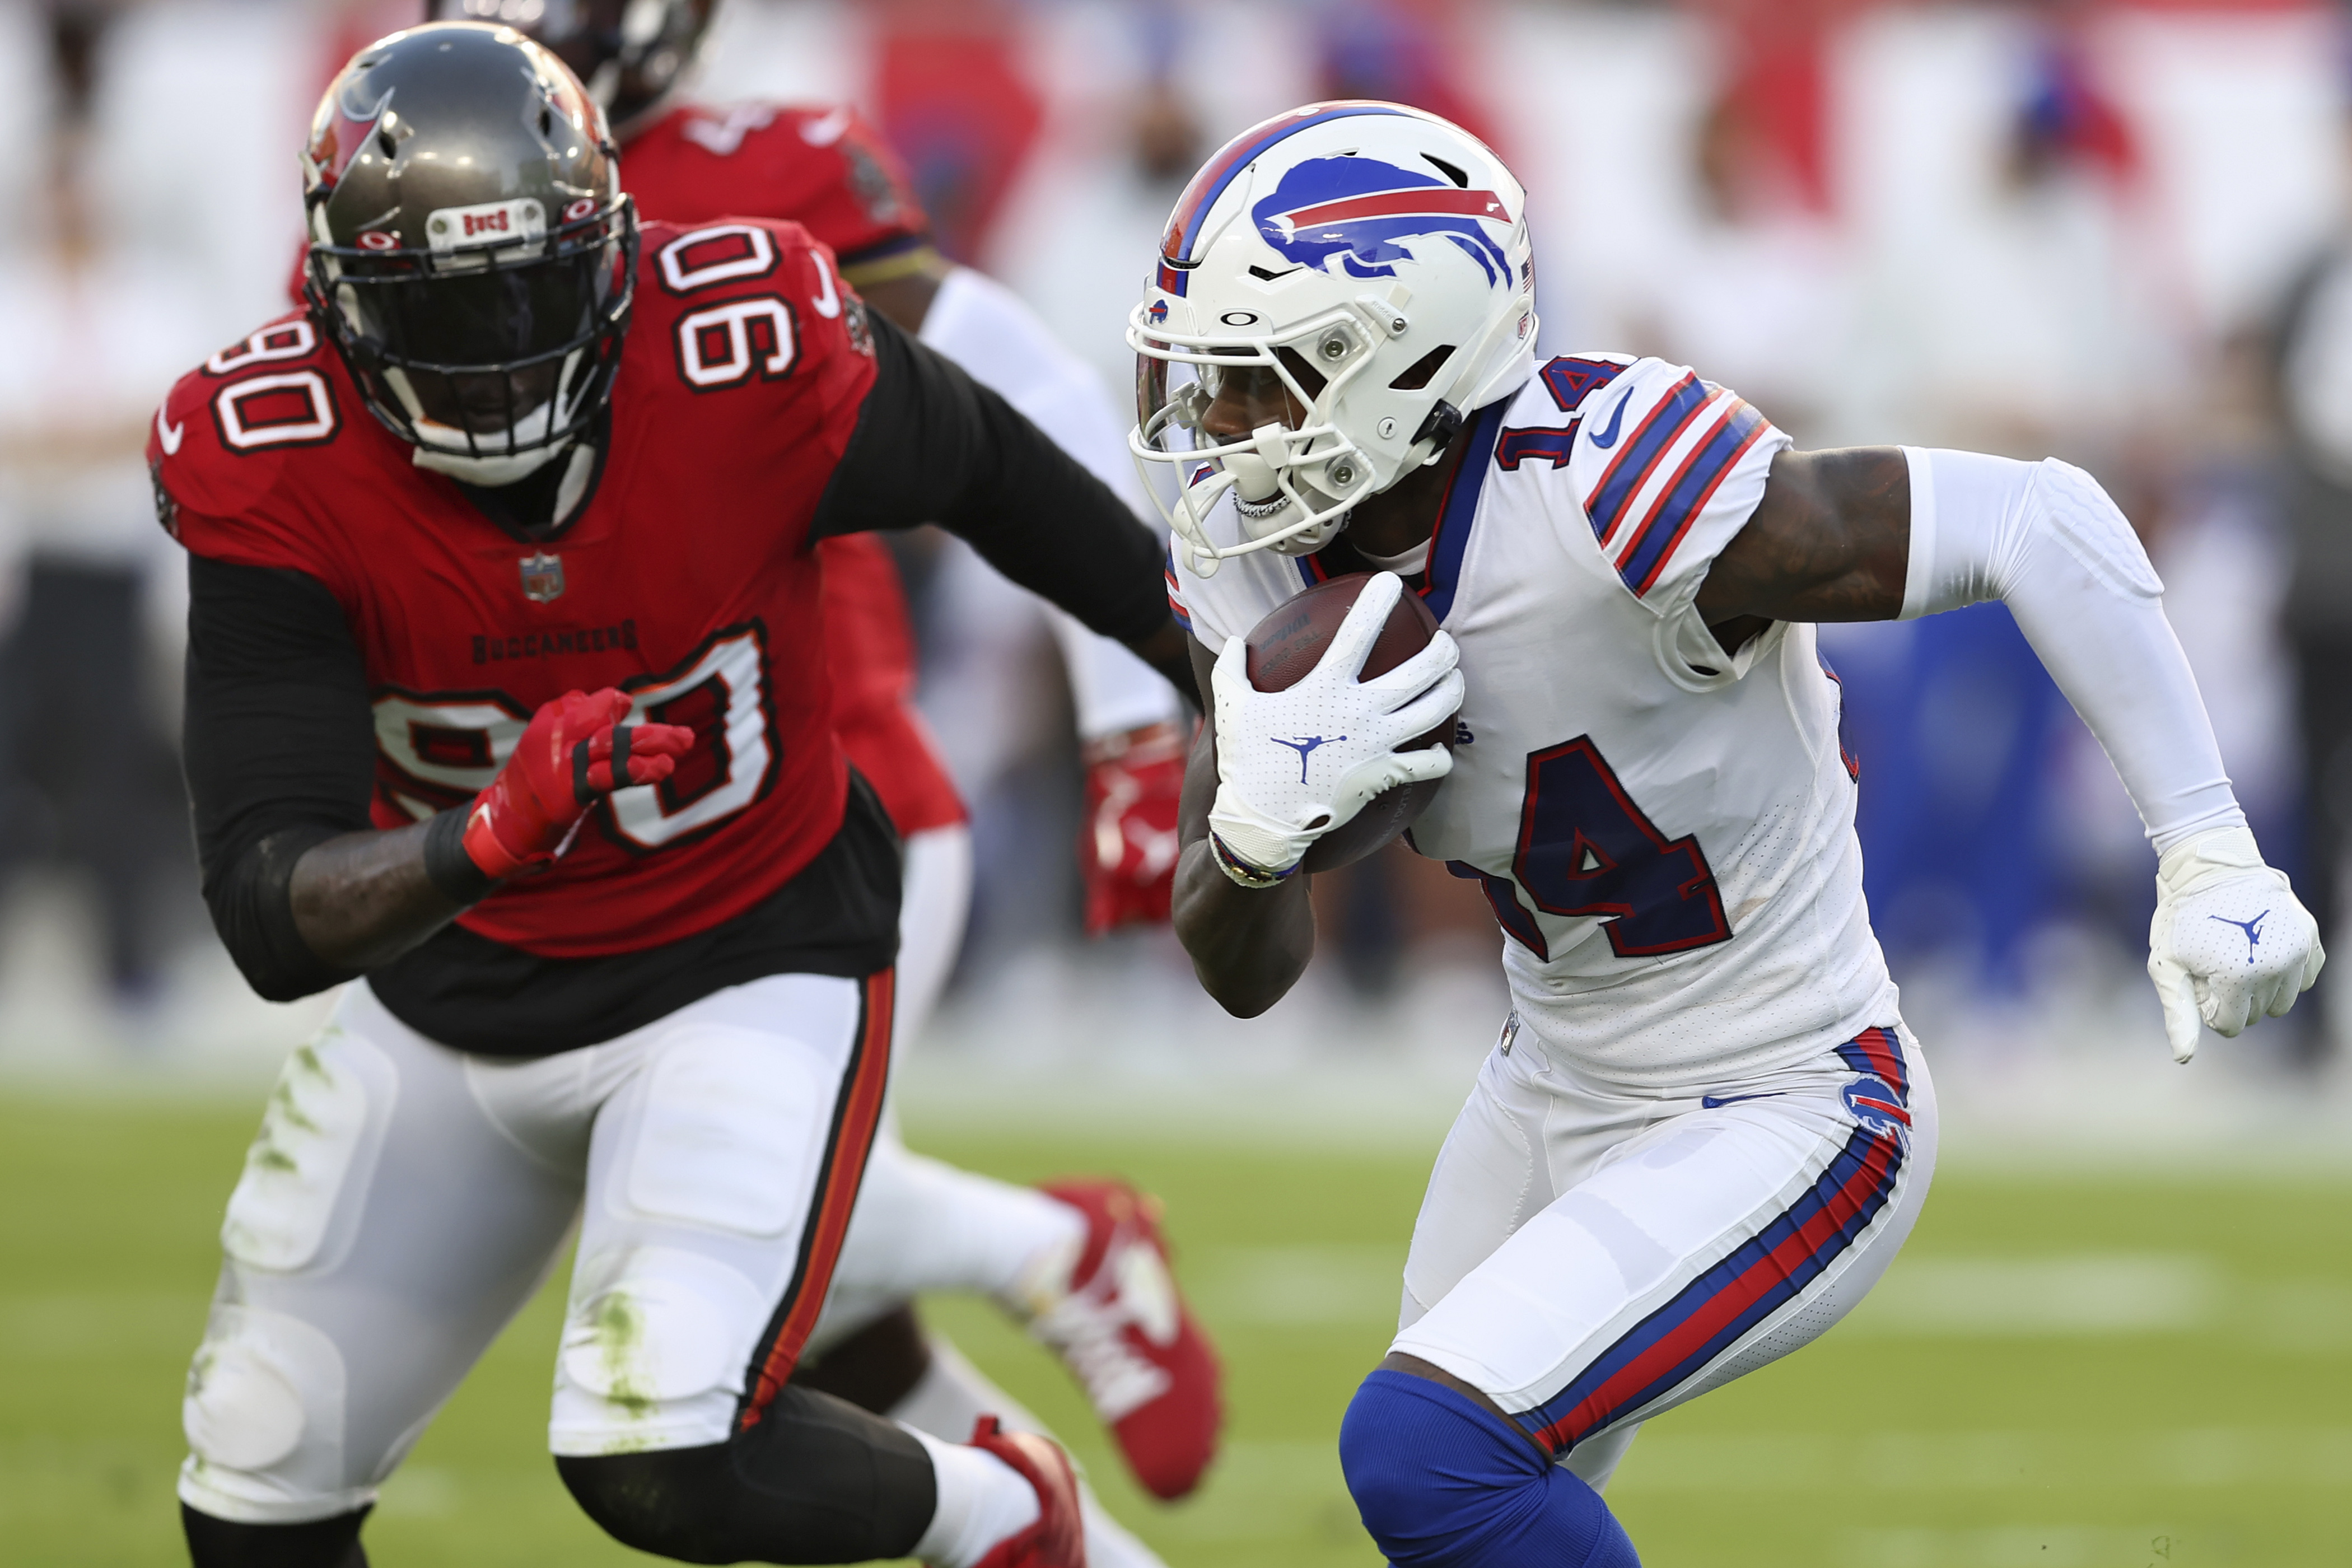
{"points": [[1422, 371]]}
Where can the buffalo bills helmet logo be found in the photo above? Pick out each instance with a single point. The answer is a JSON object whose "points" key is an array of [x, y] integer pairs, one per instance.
{"points": [[1157, 314], [1875, 1105], [1364, 212]]}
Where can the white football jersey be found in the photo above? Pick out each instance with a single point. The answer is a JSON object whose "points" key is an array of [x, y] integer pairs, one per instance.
{"points": [[1666, 832]]}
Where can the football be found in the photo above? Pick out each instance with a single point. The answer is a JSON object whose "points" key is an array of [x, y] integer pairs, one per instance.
{"points": [[1290, 641]]}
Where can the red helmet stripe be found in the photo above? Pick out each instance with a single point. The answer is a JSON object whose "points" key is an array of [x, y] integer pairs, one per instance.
{"points": [[1433, 201]]}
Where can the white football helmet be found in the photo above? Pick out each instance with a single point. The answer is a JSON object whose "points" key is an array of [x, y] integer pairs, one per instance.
{"points": [[1368, 260]]}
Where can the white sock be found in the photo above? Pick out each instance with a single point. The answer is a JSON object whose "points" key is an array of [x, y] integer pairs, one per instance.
{"points": [[982, 1499], [954, 1394], [922, 1225]]}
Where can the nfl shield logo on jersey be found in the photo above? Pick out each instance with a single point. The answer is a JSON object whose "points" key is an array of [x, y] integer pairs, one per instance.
{"points": [[543, 577]]}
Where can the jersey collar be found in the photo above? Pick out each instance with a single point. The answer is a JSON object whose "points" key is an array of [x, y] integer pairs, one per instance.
{"points": [[1456, 515]]}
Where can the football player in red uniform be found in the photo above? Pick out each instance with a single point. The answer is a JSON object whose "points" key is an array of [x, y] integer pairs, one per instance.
{"points": [[1086, 1273], [508, 701]]}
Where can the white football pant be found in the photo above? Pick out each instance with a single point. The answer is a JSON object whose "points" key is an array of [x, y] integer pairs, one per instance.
{"points": [[1588, 1258], [921, 1225], [403, 1200]]}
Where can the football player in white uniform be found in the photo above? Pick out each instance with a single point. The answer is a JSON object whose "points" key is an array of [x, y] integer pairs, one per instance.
{"points": [[1705, 1131]]}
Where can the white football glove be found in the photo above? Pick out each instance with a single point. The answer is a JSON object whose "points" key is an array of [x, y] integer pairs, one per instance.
{"points": [[1292, 765], [2230, 941]]}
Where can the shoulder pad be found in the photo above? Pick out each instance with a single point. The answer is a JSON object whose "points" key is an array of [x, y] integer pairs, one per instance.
{"points": [[1664, 467], [820, 165], [746, 302], [222, 437]]}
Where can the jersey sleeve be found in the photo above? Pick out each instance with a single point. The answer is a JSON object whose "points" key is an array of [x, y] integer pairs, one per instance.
{"points": [[931, 444], [866, 209], [1666, 467], [219, 447], [279, 755]]}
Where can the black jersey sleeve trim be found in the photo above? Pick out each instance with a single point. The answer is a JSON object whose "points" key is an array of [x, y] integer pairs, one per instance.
{"points": [[934, 445], [279, 752]]}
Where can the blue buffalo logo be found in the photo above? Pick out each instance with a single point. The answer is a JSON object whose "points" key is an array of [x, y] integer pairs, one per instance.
{"points": [[1157, 314], [1877, 1107], [1362, 211]]}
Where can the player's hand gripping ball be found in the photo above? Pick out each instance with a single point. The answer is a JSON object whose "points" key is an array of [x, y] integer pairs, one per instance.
{"points": [[2230, 941], [1337, 709], [574, 751], [1134, 784]]}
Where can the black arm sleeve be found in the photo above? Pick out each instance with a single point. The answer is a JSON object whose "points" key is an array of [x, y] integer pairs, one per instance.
{"points": [[279, 754], [934, 445]]}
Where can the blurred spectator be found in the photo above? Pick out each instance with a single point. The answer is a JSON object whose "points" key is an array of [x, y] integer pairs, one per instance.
{"points": [[1403, 51], [1755, 291], [2312, 375], [957, 107], [87, 778], [2024, 328], [1167, 132]]}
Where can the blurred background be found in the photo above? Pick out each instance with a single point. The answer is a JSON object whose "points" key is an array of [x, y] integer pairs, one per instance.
{"points": [[2113, 232]]}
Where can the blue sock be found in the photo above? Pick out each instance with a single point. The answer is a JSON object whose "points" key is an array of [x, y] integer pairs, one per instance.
{"points": [[1442, 1482]]}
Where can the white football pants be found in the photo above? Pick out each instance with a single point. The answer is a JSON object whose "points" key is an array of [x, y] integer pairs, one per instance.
{"points": [[403, 1201], [1589, 1259], [921, 1225]]}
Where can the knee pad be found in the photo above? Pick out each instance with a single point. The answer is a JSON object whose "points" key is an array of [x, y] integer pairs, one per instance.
{"points": [[264, 1418], [1442, 1482], [816, 1480], [321, 1544], [653, 1352]]}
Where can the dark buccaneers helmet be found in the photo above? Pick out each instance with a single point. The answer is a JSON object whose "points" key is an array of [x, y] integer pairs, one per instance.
{"points": [[631, 53], [472, 255]]}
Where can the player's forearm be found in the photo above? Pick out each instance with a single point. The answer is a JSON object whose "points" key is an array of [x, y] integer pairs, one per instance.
{"points": [[364, 898], [1248, 945]]}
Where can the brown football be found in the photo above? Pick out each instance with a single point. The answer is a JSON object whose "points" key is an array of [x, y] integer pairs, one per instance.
{"points": [[1290, 641]]}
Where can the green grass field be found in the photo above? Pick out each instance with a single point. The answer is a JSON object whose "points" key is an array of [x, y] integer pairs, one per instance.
{"points": [[2061, 1373]]}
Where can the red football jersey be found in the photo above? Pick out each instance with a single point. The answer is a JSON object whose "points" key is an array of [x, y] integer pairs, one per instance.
{"points": [[821, 166], [825, 169], [688, 580]]}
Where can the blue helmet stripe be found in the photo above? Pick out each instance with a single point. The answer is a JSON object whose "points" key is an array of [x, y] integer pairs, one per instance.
{"points": [[1240, 156]]}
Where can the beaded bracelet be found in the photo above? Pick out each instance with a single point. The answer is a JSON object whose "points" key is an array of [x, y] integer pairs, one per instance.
{"points": [[1241, 872]]}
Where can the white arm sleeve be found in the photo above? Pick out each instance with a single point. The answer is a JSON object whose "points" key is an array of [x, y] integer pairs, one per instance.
{"points": [[1000, 342], [2044, 539]]}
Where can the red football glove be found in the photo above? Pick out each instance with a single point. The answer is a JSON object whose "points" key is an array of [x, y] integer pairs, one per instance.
{"points": [[575, 751], [1129, 848]]}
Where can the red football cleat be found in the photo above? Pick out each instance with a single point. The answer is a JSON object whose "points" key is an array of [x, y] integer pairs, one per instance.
{"points": [[1058, 1539], [1122, 1327]]}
